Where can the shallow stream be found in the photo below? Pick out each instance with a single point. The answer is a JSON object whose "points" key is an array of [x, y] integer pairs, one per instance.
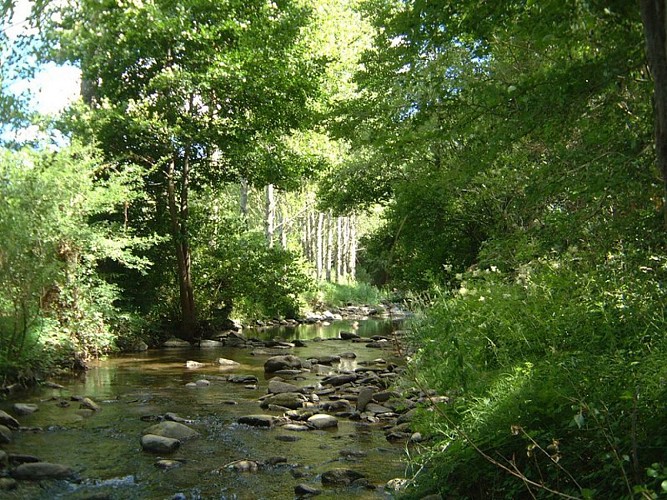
{"points": [[103, 447]]}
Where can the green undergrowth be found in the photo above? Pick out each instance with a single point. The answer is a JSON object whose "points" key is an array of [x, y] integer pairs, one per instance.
{"points": [[556, 376], [331, 295]]}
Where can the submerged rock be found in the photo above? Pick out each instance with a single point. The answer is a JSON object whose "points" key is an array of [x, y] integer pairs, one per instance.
{"points": [[323, 421], [173, 430], [340, 477], [42, 470], [257, 420], [286, 362], [153, 443], [24, 408], [7, 420], [303, 490]]}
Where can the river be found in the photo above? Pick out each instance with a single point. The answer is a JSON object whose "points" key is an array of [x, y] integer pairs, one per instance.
{"points": [[103, 446]]}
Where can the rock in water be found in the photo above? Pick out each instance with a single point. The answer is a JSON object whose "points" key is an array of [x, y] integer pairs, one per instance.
{"points": [[323, 421], [42, 470], [24, 408], [276, 363], [5, 435], [173, 430], [7, 420], [158, 444], [228, 363], [279, 387], [365, 396], [303, 490], [257, 420], [291, 400], [340, 477]]}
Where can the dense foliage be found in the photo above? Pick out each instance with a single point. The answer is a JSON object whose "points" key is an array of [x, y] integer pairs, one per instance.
{"points": [[513, 144]]}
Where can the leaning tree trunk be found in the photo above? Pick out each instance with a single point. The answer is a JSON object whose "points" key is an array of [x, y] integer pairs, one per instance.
{"points": [[653, 18], [179, 229]]}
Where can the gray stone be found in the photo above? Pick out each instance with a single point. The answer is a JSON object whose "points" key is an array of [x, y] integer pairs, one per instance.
{"points": [[89, 404], [365, 396], [257, 420], [7, 420], [4, 459], [340, 477], [377, 409], [24, 408], [348, 335], [167, 464], [341, 379], [207, 343], [303, 490], [193, 365], [242, 379], [159, 444], [7, 483], [323, 421], [174, 342], [202, 383], [277, 386], [296, 427], [173, 430], [286, 362], [5, 435], [42, 470], [243, 466], [228, 363], [291, 400]]}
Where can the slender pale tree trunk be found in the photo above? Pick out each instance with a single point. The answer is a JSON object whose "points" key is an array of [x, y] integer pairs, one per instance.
{"points": [[179, 213], [243, 201], [320, 244], [329, 246], [654, 19], [270, 220], [346, 247], [339, 249], [353, 248], [283, 220]]}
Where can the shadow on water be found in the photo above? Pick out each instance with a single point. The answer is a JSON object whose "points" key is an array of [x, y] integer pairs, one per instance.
{"points": [[103, 447]]}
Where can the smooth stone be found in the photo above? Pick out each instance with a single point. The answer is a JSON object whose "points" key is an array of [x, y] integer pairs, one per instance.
{"points": [[286, 362], [174, 342], [296, 427], [340, 477], [242, 379], [396, 484], [341, 379], [377, 409], [24, 408], [206, 343], [4, 459], [42, 470], [5, 434], [89, 404], [7, 483], [191, 385], [348, 355], [291, 400], [202, 383], [257, 420], [327, 360], [364, 397], [280, 387], [173, 430], [7, 420], [175, 418], [303, 490], [348, 335], [243, 466], [193, 365], [159, 444], [323, 421], [167, 464], [228, 363]]}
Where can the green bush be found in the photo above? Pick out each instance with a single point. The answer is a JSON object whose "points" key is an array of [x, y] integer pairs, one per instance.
{"points": [[556, 373]]}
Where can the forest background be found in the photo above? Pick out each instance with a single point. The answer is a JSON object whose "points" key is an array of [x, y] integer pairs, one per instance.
{"points": [[494, 161]]}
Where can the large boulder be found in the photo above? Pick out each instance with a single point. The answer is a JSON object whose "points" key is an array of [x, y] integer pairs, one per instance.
{"points": [[285, 362], [24, 408], [153, 443], [291, 400], [173, 430], [42, 470]]}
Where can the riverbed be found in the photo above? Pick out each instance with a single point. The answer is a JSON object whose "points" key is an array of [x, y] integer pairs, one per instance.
{"points": [[135, 390]]}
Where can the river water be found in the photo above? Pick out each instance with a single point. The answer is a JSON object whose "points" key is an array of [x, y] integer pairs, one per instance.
{"points": [[103, 447]]}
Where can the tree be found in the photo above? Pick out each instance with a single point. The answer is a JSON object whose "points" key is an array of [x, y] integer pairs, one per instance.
{"points": [[186, 90]]}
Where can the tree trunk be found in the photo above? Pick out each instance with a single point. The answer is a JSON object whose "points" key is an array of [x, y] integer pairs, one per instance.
{"points": [[270, 214], [329, 246], [243, 199], [320, 244], [283, 219], [179, 231], [339, 250], [353, 249], [654, 19]]}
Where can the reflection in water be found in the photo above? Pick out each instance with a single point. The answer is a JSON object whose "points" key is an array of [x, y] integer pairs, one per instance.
{"points": [[104, 448]]}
